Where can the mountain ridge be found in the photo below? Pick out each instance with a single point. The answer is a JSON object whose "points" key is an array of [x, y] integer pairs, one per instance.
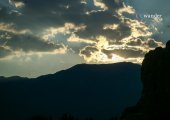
{"points": [[77, 65], [82, 90]]}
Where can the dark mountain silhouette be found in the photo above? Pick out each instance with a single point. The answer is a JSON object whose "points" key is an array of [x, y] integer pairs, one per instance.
{"points": [[155, 75], [100, 91]]}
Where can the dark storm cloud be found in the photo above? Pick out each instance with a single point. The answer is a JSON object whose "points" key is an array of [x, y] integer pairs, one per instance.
{"points": [[8, 13], [43, 13], [28, 43], [3, 13], [113, 4], [88, 51], [40, 14], [48, 23], [137, 42], [125, 53], [95, 23], [17, 1], [152, 43], [25, 43], [95, 29], [4, 52]]}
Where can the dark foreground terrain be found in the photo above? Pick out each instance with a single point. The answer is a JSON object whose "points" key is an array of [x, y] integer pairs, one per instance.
{"points": [[155, 75], [98, 91]]}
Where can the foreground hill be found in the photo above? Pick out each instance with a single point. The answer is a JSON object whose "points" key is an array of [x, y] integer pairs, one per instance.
{"points": [[84, 90]]}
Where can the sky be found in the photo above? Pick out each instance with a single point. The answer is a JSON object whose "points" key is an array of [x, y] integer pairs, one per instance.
{"points": [[39, 37]]}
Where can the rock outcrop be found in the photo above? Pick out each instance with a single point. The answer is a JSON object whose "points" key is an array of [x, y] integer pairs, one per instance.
{"points": [[155, 75]]}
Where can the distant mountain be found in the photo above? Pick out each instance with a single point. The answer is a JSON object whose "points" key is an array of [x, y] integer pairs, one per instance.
{"points": [[84, 90]]}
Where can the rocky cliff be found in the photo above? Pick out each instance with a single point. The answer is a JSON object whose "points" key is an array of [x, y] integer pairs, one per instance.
{"points": [[155, 75]]}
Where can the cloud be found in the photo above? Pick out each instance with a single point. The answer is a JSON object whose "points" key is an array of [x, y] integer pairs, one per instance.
{"points": [[131, 51], [28, 42], [67, 29], [151, 43], [88, 51], [112, 4], [11, 29], [57, 13], [17, 3], [45, 26], [127, 40], [125, 53], [3, 13], [152, 7], [24, 41], [135, 42], [148, 44], [34, 32], [4, 52]]}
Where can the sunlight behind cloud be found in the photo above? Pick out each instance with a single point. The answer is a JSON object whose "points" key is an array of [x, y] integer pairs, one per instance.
{"points": [[17, 4], [100, 4], [95, 31]]}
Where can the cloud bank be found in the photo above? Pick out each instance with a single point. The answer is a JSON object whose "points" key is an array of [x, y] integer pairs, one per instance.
{"points": [[99, 31]]}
